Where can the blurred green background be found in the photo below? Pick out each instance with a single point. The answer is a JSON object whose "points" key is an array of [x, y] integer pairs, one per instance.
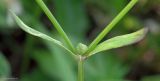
{"points": [[27, 58]]}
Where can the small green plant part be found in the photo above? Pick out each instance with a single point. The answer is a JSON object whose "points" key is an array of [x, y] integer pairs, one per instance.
{"points": [[83, 51]]}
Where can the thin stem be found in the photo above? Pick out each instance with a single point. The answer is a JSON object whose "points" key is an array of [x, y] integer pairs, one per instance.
{"points": [[111, 25], [56, 24], [81, 69]]}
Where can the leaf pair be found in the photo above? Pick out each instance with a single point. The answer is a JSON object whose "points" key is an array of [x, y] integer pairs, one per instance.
{"points": [[115, 42]]}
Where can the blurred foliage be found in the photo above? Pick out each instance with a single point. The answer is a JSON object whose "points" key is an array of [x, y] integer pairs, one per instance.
{"points": [[33, 59], [151, 78], [4, 67]]}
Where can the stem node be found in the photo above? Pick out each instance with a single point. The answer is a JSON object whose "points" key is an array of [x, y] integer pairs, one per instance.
{"points": [[81, 60]]}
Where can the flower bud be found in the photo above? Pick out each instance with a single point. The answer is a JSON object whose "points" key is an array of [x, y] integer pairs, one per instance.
{"points": [[81, 48]]}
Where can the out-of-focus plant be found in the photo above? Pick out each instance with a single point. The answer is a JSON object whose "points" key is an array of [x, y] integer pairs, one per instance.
{"points": [[5, 16], [82, 52], [151, 78], [4, 68]]}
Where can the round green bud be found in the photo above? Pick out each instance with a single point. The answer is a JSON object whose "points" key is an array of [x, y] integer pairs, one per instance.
{"points": [[81, 48]]}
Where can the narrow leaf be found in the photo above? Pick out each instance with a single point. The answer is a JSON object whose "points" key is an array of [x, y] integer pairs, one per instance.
{"points": [[120, 41], [37, 33]]}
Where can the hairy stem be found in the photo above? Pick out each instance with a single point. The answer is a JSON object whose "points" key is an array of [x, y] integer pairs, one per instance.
{"points": [[56, 24], [111, 25], [81, 68]]}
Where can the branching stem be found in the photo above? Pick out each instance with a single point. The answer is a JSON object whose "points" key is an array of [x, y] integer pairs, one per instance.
{"points": [[111, 25], [56, 24]]}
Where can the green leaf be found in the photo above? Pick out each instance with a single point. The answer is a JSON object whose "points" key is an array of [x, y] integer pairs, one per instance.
{"points": [[120, 41], [4, 67], [37, 33]]}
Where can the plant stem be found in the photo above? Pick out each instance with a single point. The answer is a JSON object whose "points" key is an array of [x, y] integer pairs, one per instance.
{"points": [[56, 24], [81, 68], [111, 25]]}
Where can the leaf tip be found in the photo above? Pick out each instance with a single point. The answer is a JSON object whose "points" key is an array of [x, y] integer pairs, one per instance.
{"points": [[12, 13], [143, 32]]}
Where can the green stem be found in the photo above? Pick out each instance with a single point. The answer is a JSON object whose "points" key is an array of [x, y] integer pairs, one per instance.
{"points": [[111, 25], [56, 24], [81, 68]]}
